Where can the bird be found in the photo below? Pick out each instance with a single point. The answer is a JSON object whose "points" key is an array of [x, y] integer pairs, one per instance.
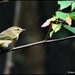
{"points": [[10, 36]]}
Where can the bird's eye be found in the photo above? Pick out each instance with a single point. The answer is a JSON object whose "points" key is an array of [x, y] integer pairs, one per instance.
{"points": [[17, 29]]}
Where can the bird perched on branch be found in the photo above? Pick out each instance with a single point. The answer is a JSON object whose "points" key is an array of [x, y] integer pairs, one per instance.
{"points": [[9, 36]]}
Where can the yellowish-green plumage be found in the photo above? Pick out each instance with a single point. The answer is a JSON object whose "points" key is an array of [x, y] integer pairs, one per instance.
{"points": [[10, 36]]}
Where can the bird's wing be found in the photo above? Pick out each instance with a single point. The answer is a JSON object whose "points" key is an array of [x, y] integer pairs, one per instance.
{"points": [[5, 37], [5, 40]]}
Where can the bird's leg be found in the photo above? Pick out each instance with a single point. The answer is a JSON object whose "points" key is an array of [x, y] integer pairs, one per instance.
{"points": [[9, 48], [5, 49]]}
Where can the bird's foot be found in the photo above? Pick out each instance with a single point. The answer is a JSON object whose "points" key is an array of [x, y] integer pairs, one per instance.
{"points": [[5, 49]]}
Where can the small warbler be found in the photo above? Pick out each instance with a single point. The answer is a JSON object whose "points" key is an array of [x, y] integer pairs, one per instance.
{"points": [[9, 36]]}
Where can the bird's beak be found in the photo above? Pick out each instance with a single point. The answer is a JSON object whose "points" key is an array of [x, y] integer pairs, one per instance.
{"points": [[23, 29]]}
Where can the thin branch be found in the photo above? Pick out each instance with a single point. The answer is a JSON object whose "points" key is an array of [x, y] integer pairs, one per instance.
{"points": [[61, 39], [41, 42], [48, 32], [28, 45], [37, 43]]}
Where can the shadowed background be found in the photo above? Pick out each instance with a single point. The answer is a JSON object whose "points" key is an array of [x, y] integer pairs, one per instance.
{"points": [[49, 58]]}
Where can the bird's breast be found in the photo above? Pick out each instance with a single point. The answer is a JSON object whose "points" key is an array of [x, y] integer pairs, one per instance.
{"points": [[5, 43]]}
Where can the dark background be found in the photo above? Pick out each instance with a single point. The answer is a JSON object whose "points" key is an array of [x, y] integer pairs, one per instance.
{"points": [[50, 58]]}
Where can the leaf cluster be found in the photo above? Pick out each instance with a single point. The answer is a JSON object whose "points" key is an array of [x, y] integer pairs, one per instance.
{"points": [[62, 19]]}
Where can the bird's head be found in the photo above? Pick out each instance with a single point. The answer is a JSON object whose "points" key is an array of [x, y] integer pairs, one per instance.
{"points": [[16, 29]]}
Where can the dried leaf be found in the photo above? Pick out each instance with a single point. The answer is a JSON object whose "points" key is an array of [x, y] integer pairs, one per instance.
{"points": [[69, 21], [48, 21]]}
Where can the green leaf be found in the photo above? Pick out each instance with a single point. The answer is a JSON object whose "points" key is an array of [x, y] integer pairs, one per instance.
{"points": [[51, 33], [73, 6], [72, 15], [64, 4], [73, 18], [72, 29], [62, 15], [56, 27], [54, 18]]}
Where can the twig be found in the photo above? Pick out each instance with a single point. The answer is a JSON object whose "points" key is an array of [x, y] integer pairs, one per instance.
{"points": [[40, 42], [28, 45], [37, 43], [48, 32]]}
